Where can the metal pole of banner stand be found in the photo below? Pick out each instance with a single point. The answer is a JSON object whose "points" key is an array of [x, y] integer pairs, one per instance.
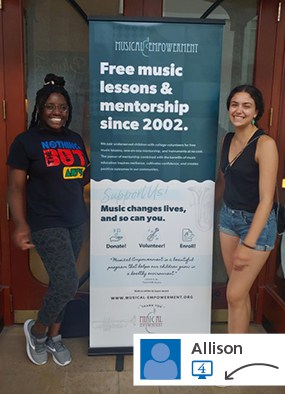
{"points": [[120, 362]]}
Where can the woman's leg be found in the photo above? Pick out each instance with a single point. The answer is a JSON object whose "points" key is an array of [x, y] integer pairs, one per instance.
{"points": [[240, 283], [228, 246], [77, 235], [55, 248]]}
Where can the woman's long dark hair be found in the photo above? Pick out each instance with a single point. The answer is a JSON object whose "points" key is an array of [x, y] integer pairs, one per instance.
{"points": [[52, 84]]}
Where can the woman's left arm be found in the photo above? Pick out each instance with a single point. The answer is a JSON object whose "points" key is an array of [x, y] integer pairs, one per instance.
{"points": [[267, 159]]}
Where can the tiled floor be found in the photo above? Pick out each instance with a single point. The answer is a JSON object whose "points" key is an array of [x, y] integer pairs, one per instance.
{"points": [[87, 374]]}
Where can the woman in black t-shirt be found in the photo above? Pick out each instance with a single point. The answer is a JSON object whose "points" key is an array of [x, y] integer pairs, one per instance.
{"points": [[48, 168], [246, 180]]}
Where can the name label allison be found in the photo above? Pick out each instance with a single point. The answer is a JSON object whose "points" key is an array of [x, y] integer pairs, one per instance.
{"points": [[213, 348]]}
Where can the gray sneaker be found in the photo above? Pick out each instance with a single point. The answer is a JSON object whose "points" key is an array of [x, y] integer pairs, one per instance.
{"points": [[36, 347], [60, 354]]}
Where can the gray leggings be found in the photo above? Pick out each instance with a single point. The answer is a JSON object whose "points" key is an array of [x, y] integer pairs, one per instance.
{"points": [[59, 249]]}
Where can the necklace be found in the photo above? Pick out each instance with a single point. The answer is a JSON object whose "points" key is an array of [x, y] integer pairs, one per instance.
{"points": [[244, 141]]}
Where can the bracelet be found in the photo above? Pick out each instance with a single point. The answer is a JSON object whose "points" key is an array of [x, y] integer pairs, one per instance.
{"points": [[247, 246]]}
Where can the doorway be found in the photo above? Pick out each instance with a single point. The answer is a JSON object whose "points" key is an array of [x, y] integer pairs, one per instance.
{"points": [[248, 54], [2, 143], [270, 75]]}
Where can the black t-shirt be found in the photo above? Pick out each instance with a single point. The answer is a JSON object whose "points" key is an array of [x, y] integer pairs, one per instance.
{"points": [[242, 177], [55, 163]]}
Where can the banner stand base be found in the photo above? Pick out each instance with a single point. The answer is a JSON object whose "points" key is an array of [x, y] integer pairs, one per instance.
{"points": [[119, 352]]}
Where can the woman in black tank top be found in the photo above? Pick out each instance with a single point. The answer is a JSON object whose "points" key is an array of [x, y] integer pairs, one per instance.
{"points": [[246, 182]]}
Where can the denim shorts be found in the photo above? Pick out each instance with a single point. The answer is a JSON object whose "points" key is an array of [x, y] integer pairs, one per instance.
{"points": [[236, 223]]}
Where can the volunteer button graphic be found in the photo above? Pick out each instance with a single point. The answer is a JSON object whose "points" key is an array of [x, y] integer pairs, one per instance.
{"points": [[160, 359]]}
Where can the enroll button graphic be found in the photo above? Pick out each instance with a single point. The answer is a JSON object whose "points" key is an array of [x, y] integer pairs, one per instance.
{"points": [[209, 359]]}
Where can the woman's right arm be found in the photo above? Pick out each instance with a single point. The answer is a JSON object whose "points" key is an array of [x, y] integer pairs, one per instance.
{"points": [[16, 195]]}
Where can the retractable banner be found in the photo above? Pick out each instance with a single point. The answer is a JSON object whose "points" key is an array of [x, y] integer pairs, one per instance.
{"points": [[154, 100]]}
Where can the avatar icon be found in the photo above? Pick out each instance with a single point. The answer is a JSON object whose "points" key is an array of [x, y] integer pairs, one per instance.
{"points": [[160, 367]]}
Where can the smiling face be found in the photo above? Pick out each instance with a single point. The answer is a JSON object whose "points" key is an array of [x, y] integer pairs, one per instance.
{"points": [[55, 113], [242, 109]]}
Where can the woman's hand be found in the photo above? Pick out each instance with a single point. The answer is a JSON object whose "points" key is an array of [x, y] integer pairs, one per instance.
{"points": [[241, 257], [22, 237]]}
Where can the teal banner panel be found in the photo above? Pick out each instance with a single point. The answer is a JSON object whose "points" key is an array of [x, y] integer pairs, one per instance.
{"points": [[154, 99]]}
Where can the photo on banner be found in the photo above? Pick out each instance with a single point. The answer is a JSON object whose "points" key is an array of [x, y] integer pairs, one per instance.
{"points": [[154, 104]]}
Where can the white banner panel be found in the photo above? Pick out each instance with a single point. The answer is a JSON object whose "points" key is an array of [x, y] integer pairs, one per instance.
{"points": [[155, 268]]}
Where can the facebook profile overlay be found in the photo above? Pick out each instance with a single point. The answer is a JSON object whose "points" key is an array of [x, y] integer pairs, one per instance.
{"points": [[160, 359], [209, 359]]}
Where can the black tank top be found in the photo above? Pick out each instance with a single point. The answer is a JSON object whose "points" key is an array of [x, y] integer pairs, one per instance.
{"points": [[242, 177]]}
